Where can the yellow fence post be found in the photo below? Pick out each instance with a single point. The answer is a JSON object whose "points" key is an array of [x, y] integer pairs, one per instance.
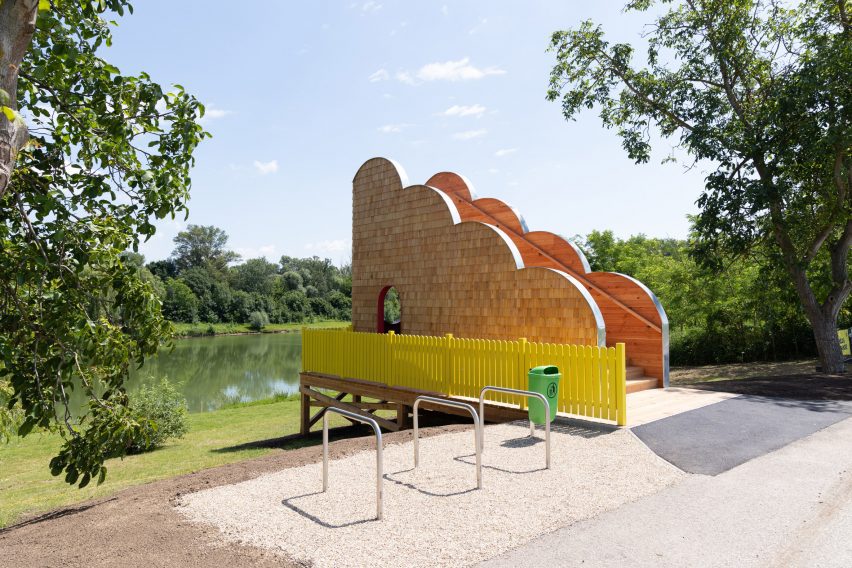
{"points": [[621, 384], [449, 384], [524, 367]]}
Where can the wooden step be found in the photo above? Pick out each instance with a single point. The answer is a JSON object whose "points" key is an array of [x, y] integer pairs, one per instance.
{"points": [[634, 372], [640, 384]]}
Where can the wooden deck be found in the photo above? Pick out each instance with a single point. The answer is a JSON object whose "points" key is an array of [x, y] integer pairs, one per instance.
{"points": [[366, 397]]}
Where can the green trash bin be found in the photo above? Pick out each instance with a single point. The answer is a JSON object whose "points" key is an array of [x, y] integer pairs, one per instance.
{"points": [[544, 380]]}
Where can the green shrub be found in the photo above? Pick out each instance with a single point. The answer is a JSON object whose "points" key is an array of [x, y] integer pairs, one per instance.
{"points": [[162, 410], [258, 320]]}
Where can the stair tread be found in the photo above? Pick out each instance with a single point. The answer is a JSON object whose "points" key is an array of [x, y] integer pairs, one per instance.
{"points": [[641, 383]]}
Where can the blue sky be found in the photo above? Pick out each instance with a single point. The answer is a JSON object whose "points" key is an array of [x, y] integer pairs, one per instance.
{"points": [[300, 94]]}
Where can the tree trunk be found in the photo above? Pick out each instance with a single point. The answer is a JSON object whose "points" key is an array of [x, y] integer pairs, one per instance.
{"points": [[828, 345], [823, 320], [17, 25]]}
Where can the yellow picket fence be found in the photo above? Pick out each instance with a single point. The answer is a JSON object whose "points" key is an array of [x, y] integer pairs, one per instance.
{"points": [[593, 378]]}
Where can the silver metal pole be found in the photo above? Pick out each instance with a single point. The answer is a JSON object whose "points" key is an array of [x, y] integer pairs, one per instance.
{"points": [[416, 437], [537, 395], [379, 460], [477, 430], [324, 452]]}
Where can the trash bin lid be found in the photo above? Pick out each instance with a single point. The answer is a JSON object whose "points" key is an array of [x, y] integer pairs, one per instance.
{"points": [[545, 370]]}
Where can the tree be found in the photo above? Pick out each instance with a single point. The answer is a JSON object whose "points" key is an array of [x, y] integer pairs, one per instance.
{"points": [[163, 269], [762, 91], [292, 281], [180, 303], [255, 275], [258, 320], [203, 285], [108, 154], [202, 246]]}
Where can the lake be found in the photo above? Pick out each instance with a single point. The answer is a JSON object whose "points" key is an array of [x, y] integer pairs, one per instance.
{"points": [[212, 371]]}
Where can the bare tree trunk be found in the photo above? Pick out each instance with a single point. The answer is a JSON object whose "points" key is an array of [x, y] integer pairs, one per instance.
{"points": [[823, 320], [828, 346], [17, 25]]}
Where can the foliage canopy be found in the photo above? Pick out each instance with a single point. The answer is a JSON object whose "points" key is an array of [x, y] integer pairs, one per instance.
{"points": [[107, 154], [760, 89]]}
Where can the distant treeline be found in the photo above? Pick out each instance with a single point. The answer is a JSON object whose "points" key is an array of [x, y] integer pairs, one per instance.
{"points": [[747, 312], [203, 281]]}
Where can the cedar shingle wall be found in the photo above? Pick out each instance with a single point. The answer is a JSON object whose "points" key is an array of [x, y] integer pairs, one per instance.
{"points": [[460, 279]]}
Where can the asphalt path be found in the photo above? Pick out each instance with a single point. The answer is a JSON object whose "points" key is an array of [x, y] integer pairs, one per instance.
{"points": [[791, 508], [715, 438]]}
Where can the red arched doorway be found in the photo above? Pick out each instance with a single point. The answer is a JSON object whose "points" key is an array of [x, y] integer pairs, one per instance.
{"points": [[389, 311]]}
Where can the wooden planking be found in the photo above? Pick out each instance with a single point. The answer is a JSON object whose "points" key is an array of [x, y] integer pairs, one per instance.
{"points": [[504, 215], [386, 424], [451, 183], [399, 396], [557, 248]]}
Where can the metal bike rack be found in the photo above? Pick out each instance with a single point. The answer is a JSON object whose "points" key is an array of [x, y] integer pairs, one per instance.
{"points": [[379, 466], [477, 430], [528, 394]]}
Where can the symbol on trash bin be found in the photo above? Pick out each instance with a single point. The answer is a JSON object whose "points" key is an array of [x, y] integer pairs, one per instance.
{"points": [[551, 390]]}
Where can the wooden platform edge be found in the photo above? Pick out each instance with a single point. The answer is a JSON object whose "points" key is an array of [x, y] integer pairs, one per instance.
{"points": [[392, 397]]}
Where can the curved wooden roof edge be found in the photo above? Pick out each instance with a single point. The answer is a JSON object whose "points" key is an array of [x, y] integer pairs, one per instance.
{"points": [[459, 187]]}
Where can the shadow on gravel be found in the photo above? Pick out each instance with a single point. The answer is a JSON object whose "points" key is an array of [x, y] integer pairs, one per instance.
{"points": [[523, 442], [288, 503], [389, 477], [471, 460]]}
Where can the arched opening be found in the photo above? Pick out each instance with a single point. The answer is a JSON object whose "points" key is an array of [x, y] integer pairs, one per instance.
{"points": [[389, 311]]}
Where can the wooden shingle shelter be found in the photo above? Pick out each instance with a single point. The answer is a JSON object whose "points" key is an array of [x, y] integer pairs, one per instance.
{"points": [[470, 267], [483, 299]]}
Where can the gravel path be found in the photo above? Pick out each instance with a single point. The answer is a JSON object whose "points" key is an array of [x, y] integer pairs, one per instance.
{"points": [[434, 515]]}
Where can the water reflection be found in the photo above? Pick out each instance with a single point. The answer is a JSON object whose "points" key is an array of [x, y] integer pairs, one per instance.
{"points": [[212, 371]]}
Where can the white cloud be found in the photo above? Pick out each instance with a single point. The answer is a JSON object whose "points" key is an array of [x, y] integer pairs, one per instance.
{"points": [[266, 251], [505, 152], [469, 134], [393, 128], [462, 110], [405, 77], [380, 75], [370, 6], [493, 171], [444, 10], [460, 70], [330, 246], [477, 27], [265, 168], [211, 112]]}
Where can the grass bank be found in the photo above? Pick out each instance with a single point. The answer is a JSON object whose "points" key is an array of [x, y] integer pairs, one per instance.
{"points": [[26, 486], [203, 329]]}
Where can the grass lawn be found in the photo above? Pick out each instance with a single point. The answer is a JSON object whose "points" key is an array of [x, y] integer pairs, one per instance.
{"points": [[198, 329], [26, 486]]}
